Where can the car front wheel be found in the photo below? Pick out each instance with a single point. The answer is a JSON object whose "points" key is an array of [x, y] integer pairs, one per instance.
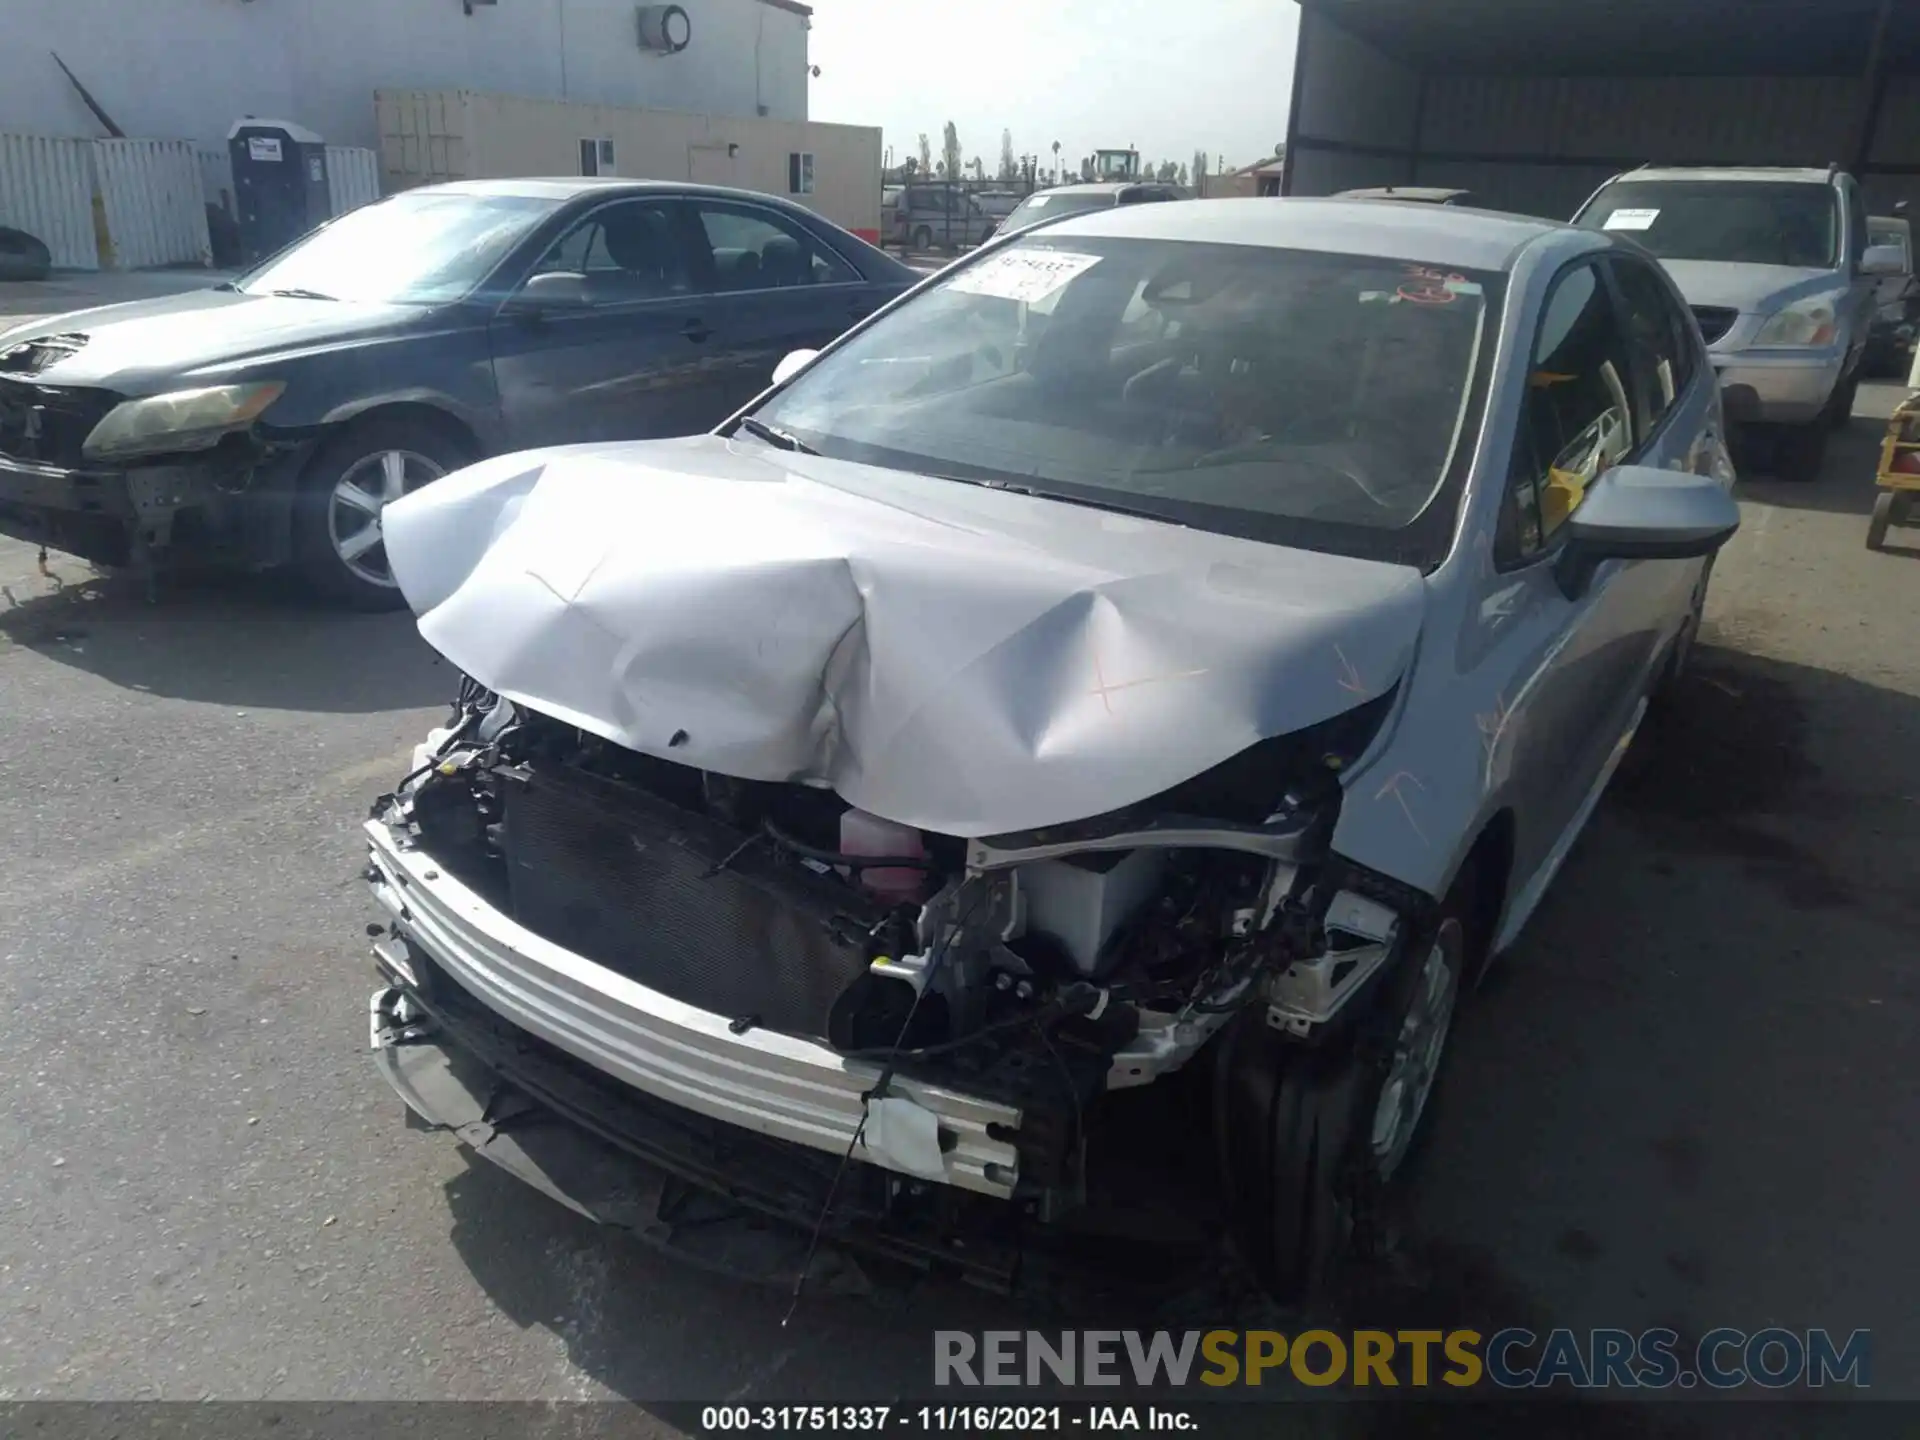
{"points": [[1840, 405], [339, 541], [1310, 1137]]}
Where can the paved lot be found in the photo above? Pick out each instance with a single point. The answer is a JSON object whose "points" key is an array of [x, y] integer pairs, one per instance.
{"points": [[1691, 1099]]}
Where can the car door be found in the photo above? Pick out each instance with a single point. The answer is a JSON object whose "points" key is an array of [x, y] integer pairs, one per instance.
{"points": [[777, 287], [1580, 667], [632, 360]]}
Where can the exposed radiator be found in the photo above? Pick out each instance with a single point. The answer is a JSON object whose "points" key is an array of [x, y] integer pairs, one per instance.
{"points": [[627, 880]]}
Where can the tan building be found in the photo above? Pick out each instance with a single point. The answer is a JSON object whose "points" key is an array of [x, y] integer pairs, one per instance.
{"points": [[433, 135], [1249, 180]]}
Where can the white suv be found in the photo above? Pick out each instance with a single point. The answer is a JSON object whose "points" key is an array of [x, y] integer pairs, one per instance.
{"points": [[1777, 268]]}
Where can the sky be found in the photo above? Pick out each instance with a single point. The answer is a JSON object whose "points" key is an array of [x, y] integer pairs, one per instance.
{"points": [[1165, 79]]}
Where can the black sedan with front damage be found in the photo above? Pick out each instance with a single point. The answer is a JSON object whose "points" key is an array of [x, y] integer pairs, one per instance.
{"points": [[268, 421]]}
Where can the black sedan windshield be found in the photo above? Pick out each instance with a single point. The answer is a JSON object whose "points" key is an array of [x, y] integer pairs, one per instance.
{"points": [[1757, 222], [1242, 388], [414, 249]]}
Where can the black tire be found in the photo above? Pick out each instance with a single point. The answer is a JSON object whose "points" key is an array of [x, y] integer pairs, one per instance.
{"points": [[1839, 412], [321, 563], [1294, 1125], [1800, 451], [23, 256], [1889, 509], [922, 238]]}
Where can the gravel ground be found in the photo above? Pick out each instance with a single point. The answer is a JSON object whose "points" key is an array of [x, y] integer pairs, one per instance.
{"points": [[1688, 1099]]}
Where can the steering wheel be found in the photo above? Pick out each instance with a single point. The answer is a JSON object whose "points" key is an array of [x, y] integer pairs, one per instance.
{"points": [[1138, 381]]}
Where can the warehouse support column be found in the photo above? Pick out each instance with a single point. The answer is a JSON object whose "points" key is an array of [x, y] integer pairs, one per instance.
{"points": [[1293, 101], [1874, 90]]}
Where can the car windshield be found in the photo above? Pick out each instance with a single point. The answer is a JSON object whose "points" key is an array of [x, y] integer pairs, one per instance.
{"points": [[1757, 222], [413, 249], [1283, 394], [1047, 206]]}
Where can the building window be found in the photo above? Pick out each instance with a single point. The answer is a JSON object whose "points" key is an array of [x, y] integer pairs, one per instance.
{"points": [[799, 172], [596, 157]]}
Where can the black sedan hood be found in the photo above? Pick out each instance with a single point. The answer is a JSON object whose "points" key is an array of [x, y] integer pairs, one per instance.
{"points": [[180, 340]]}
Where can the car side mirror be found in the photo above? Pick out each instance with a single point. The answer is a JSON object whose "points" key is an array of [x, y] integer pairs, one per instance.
{"points": [[554, 290], [791, 364], [1883, 260], [1637, 512]]}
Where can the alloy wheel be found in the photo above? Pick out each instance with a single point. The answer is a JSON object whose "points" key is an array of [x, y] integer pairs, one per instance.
{"points": [[359, 499], [1416, 1052]]}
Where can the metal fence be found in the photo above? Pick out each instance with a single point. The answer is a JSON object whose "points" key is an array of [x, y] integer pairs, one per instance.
{"points": [[46, 189], [216, 177], [136, 204], [353, 177], [151, 191]]}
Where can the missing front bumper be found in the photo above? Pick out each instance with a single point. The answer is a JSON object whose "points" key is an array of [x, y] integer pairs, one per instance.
{"points": [[769, 1084], [216, 505], [683, 1187]]}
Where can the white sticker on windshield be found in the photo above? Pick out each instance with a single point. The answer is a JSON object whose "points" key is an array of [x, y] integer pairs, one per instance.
{"points": [[1027, 275], [1034, 202], [1631, 220]]}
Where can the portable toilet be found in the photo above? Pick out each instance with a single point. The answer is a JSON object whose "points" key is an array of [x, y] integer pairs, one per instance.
{"points": [[279, 184]]}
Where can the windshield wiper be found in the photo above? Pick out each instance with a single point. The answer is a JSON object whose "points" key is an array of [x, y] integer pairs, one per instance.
{"points": [[296, 293], [1037, 492], [774, 435]]}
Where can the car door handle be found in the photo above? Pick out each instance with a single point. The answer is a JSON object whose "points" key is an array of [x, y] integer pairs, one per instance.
{"points": [[696, 331]]}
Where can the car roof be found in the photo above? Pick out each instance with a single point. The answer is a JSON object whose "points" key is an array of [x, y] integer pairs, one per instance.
{"points": [[1424, 234], [1798, 174]]}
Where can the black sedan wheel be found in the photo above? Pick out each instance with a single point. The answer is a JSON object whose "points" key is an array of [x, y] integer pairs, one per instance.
{"points": [[338, 536]]}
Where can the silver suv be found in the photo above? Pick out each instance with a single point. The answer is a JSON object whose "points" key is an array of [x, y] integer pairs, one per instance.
{"points": [[1777, 268]]}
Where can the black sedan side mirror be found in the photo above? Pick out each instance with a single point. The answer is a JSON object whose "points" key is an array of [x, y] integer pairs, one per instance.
{"points": [[1637, 512]]}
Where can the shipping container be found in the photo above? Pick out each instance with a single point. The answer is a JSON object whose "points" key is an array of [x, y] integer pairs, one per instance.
{"points": [[1532, 106], [434, 135]]}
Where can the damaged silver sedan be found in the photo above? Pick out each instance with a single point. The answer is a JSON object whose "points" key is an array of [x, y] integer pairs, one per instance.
{"points": [[1174, 646]]}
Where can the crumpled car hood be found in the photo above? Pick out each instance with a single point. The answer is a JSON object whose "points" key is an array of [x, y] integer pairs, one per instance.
{"points": [[964, 660]]}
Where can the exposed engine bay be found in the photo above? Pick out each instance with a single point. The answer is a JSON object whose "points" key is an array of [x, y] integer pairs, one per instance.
{"points": [[1038, 970]]}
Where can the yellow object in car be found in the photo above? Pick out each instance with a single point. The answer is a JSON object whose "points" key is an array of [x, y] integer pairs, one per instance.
{"points": [[1560, 497]]}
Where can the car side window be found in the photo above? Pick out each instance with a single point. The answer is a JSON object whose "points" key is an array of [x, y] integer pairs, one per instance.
{"points": [[1660, 349], [629, 250], [1575, 422], [758, 250], [1857, 222]]}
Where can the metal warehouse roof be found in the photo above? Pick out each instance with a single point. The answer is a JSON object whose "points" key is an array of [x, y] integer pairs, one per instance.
{"points": [[1634, 37]]}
